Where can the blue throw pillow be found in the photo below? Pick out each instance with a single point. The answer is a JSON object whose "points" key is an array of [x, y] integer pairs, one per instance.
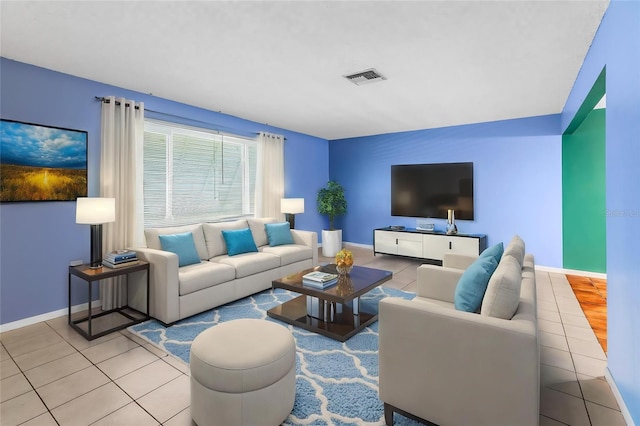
{"points": [[473, 284], [494, 251], [182, 245], [239, 241], [279, 233]]}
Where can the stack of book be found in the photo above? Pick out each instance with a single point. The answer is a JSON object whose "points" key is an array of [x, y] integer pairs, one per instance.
{"points": [[120, 258], [319, 279]]}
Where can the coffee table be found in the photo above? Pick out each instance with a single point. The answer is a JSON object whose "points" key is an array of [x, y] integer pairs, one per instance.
{"points": [[336, 311]]}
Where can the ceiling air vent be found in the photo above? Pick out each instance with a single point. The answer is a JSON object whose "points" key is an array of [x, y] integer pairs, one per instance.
{"points": [[364, 77]]}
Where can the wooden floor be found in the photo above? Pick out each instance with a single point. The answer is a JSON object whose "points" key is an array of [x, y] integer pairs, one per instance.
{"points": [[592, 295]]}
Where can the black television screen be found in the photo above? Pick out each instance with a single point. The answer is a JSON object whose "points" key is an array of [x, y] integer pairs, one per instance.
{"points": [[429, 190]]}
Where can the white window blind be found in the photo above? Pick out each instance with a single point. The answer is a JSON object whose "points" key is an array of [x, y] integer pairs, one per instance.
{"points": [[196, 175]]}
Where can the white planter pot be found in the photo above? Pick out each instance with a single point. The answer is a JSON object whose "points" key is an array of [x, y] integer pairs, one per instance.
{"points": [[331, 242]]}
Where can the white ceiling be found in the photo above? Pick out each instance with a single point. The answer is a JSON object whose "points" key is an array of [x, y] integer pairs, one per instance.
{"points": [[276, 62]]}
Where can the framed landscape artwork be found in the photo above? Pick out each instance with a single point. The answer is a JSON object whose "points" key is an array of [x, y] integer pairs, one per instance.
{"points": [[41, 163]]}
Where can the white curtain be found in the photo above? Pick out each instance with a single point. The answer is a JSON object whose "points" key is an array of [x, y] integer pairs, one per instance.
{"points": [[270, 174], [121, 178]]}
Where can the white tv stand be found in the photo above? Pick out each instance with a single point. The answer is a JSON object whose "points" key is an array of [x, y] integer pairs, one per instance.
{"points": [[428, 245]]}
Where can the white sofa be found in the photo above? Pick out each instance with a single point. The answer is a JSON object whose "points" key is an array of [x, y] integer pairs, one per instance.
{"points": [[452, 367], [179, 292]]}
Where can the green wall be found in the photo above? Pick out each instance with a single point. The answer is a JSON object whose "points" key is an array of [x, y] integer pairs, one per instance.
{"points": [[583, 195]]}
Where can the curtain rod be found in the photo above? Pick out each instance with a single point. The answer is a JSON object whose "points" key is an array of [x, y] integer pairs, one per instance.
{"points": [[107, 100]]}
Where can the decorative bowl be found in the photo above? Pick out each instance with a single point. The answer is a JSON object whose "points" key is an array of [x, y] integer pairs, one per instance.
{"points": [[344, 269]]}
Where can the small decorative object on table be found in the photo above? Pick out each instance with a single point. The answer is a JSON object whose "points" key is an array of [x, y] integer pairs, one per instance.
{"points": [[344, 261], [452, 229]]}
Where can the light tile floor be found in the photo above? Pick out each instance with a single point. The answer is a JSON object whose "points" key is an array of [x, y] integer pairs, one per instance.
{"points": [[50, 375]]}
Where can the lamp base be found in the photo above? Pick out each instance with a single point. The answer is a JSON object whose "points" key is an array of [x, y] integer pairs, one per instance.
{"points": [[96, 247], [291, 218]]}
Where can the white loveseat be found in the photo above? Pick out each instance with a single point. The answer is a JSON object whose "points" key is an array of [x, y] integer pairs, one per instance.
{"points": [[179, 292], [452, 367]]}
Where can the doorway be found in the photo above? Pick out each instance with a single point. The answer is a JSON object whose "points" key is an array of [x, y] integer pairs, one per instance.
{"points": [[584, 185], [584, 206]]}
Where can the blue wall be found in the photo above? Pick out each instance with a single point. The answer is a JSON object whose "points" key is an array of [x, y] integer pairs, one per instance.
{"points": [[617, 46], [517, 179], [38, 240]]}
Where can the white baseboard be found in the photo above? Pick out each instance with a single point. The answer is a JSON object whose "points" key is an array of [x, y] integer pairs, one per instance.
{"points": [[571, 272], [369, 246], [45, 317], [346, 243], [616, 393]]}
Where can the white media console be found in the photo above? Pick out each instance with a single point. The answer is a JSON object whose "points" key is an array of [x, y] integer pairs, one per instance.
{"points": [[429, 245]]}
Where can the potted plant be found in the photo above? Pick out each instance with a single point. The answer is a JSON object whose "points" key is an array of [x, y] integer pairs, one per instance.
{"points": [[331, 202]]}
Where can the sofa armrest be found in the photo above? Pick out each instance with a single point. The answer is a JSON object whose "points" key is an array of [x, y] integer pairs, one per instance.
{"points": [[458, 261], [437, 282], [453, 367], [164, 291], [307, 238]]}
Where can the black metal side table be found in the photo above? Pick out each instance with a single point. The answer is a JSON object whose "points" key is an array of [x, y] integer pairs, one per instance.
{"points": [[130, 315]]}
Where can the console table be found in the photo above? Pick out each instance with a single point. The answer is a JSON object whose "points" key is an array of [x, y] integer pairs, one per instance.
{"points": [[114, 319], [428, 245]]}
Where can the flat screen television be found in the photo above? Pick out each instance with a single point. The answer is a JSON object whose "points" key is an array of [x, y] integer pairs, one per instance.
{"points": [[429, 190]]}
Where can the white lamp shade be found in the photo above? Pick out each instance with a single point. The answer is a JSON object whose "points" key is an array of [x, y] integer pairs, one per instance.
{"points": [[292, 205], [95, 210]]}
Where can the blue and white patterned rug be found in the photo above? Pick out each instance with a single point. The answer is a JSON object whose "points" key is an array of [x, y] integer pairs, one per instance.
{"points": [[336, 383]]}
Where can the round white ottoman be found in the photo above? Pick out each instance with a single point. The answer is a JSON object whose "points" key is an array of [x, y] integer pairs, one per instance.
{"points": [[243, 372]]}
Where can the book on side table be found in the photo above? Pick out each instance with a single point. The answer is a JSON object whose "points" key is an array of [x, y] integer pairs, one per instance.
{"points": [[120, 259], [319, 279]]}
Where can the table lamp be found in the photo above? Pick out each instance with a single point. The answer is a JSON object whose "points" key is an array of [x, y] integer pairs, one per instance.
{"points": [[291, 206], [95, 211]]}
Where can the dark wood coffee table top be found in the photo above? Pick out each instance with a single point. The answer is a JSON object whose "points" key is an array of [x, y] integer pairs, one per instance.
{"points": [[341, 321], [360, 280]]}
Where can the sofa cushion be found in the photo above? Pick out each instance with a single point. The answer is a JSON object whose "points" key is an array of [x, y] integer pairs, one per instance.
{"points": [[239, 241], [503, 292], [289, 253], [258, 230], [250, 263], [182, 245], [495, 251], [151, 236], [473, 284], [433, 302], [516, 249], [278, 233], [214, 240], [203, 275]]}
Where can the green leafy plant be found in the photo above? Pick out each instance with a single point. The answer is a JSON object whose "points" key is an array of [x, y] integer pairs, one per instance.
{"points": [[331, 201]]}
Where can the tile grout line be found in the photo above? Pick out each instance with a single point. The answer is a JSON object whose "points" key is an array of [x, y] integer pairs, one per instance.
{"points": [[33, 388], [367, 262], [580, 303], [92, 364], [584, 402], [550, 418], [134, 400], [78, 396]]}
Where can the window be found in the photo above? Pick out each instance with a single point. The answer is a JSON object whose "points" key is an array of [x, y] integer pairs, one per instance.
{"points": [[196, 175]]}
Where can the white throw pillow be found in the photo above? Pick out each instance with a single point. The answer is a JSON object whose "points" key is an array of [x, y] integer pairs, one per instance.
{"points": [[503, 292], [213, 238], [257, 229], [516, 249]]}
